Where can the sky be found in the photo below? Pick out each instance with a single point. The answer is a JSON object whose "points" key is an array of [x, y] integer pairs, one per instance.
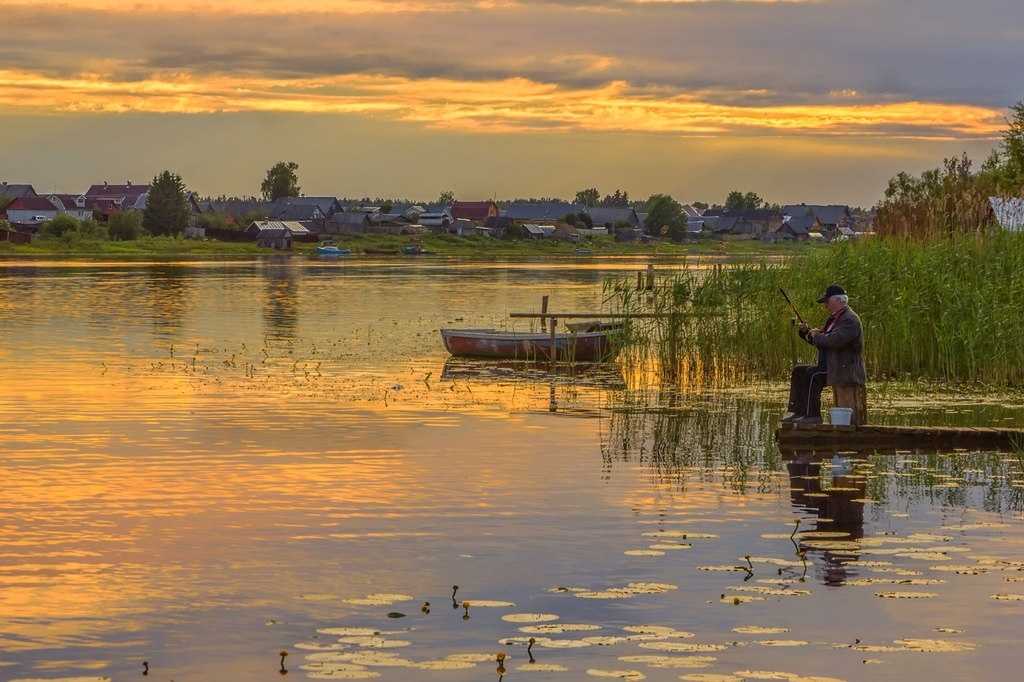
{"points": [[813, 101]]}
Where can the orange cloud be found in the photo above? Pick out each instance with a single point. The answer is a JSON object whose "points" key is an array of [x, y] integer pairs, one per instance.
{"points": [[508, 105]]}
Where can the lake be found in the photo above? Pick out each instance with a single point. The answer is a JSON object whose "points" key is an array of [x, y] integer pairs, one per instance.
{"points": [[209, 463]]}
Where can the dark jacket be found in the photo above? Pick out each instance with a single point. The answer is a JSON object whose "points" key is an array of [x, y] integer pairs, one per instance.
{"points": [[844, 349]]}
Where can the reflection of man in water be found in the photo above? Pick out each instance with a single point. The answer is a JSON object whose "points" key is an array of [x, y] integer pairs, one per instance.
{"points": [[838, 508]]}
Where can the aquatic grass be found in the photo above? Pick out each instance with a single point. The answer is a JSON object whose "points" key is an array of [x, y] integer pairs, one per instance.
{"points": [[942, 310]]}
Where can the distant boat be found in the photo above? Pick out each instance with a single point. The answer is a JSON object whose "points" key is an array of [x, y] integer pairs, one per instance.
{"points": [[583, 252], [586, 342], [416, 250], [380, 252], [329, 248]]}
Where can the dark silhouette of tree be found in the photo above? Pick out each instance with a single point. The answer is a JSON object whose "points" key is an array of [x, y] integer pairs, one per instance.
{"points": [[166, 209], [618, 200], [743, 202], [665, 217], [587, 197], [281, 181]]}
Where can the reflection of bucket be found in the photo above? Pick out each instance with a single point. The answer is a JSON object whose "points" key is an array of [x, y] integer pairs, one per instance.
{"points": [[841, 415]]}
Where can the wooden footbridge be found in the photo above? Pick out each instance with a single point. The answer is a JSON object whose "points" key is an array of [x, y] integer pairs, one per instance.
{"points": [[880, 438]]}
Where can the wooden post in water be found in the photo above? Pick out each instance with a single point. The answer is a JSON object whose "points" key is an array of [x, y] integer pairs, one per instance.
{"points": [[543, 310], [639, 280], [650, 277], [554, 347], [856, 398], [672, 341]]}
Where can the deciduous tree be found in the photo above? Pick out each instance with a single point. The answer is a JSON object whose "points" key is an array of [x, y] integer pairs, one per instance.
{"points": [[281, 181], [587, 197], [665, 217], [618, 200], [743, 202]]}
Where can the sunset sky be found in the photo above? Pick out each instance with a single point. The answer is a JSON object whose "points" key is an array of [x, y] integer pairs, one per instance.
{"points": [[802, 101]]}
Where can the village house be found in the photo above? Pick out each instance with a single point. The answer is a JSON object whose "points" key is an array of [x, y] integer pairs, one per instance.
{"points": [[1009, 213], [30, 211], [475, 211], [795, 228], [748, 223], [541, 214], [829, 217], [437, 220], [349, 222], [610, 216], [277, 234]]}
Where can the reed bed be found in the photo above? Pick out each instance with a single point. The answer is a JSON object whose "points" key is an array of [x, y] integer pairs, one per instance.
{"points": [[943, 310]]}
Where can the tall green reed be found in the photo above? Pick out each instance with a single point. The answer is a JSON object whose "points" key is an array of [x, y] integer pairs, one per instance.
{"points": [[944, 310]]}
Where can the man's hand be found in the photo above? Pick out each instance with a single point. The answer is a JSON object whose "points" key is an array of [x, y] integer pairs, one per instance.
{"points": [[803, 327]]}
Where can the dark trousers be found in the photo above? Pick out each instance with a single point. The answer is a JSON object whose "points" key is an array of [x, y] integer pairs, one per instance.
{"points": [[805, 390]]}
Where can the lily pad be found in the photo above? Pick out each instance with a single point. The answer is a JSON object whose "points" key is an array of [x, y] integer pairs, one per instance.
{"points": [[618, 674], [542, 668], [759, 630], [548, 628], [671, 661], [529, 617]]}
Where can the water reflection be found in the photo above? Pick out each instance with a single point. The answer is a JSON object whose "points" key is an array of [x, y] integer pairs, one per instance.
{"points": [[679, 435], [206, 508], [281, 302], [831, 490], [167, 294]]}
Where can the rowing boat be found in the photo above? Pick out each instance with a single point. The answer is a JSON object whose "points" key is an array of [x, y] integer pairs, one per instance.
{"points": [[583, 344]]}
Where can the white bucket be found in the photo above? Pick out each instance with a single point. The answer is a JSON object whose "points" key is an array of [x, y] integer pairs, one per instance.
{"points": [[841, 415]]}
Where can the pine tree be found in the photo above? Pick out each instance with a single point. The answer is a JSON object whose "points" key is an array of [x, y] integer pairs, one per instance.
{"points": [[166, 209]]}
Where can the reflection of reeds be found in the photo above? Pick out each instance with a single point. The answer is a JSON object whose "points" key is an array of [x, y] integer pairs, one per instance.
{"points": [[722, 434]]}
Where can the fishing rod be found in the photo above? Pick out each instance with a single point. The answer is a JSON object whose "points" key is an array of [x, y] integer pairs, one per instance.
{"points": [[791, 306]]}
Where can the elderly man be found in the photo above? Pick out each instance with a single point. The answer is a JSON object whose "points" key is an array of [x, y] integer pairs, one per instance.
{"points": [[840, 344]]}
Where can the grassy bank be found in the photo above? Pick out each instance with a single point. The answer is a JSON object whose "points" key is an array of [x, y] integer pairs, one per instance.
{"points": [[943, 311], [442, 245]]}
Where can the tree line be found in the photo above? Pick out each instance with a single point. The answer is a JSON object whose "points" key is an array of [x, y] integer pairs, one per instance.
{"points": [[950, 199]]}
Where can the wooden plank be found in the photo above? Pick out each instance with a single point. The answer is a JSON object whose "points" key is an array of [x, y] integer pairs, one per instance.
{"points": [[892, 438]]}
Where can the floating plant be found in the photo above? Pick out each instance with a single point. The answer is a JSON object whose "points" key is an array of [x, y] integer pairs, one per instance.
{"points": [[529, 617], [619, 674], [760, 630], [671, 661], [630, 590], [378, 599], [555, 628]]}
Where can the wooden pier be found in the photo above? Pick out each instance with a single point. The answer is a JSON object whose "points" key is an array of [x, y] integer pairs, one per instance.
{"points": [[879, 438]]}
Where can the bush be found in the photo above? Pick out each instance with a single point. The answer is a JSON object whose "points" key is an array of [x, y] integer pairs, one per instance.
{"points": [[59, 226], [125, 225]]}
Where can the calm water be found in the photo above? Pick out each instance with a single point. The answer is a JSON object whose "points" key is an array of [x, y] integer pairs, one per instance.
{"points": [[205, 464]]}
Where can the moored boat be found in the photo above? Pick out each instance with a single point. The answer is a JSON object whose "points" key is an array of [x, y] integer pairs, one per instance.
{"points": [[574, 345], [329, 248], [416, 250]]}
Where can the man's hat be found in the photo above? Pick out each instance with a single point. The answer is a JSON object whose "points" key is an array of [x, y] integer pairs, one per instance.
{"points": [[832, 290]]}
